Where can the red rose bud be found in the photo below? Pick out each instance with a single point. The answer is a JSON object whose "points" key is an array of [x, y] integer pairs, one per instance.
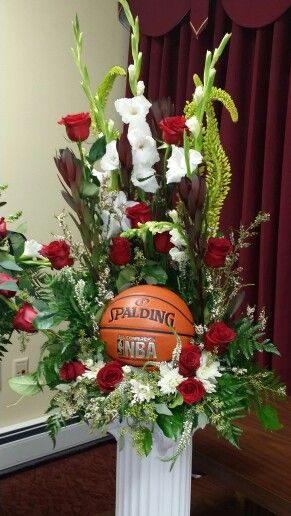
{"points": [[162, 242], [141, 212], [217, 250], [109, 376], [191, 390], [173, 128], [189, 360], [58, 253], [77, 126], [3, 228], [120, 251], [68, 166], [3, 278], [71, 370], [23, 320], [218, 336]]}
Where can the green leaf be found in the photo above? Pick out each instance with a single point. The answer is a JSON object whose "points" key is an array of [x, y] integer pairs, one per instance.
{"points": [[268, 417], [97, 150], [125, 278], [16, 243], [25, 385], [88, 189], [154, 274], [178, 400], [10, 266], [9, 285], [47, 319], [147, 443], [171, 426], [162, 408]]}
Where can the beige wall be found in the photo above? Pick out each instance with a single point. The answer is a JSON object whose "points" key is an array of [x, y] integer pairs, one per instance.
{"points": [[39, 84]]}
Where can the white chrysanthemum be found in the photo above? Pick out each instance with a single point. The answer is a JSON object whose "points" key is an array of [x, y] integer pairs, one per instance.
{"points": [[177, 165], [193, 125], [170, 378], [144, 150], [177, 255], [208, 371], [92, 370], [110, 160], [141, 392], [31, 249], [145, 179], [133, 110], [177, 239]]}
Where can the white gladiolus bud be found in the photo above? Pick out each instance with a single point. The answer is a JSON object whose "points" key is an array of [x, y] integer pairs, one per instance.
{"points": [[174, 216], [140, 88], [131, 70], [198, 94], [193, 125]]}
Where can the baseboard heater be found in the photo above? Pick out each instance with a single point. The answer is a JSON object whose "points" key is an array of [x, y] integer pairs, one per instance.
{"points": [[30, 445]]}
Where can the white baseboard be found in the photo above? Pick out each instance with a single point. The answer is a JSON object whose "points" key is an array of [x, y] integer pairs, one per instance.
{"points": [[17, 448]]}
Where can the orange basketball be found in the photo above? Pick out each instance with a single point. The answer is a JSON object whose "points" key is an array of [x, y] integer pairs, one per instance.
{"points": [[136, 325]]}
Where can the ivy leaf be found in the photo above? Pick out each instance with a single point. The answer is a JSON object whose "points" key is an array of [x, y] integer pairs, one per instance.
{"points": [[268, 417], [154, 274], [97, 150], [171, 426], [25, 385], [125, 278], [147, 442]]}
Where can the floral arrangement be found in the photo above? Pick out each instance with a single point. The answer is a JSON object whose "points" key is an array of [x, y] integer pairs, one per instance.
{"points": [[147, 204]]}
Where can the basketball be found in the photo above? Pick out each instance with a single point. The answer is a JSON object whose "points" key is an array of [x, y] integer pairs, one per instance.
{"points": [[137, 325]]}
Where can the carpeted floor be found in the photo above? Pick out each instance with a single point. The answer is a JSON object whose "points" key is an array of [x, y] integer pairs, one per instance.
{"points": [[84, 485]]}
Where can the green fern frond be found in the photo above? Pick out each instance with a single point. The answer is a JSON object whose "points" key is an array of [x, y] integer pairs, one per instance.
{"points": [[106, 85], [218, 172], [224, 97]]}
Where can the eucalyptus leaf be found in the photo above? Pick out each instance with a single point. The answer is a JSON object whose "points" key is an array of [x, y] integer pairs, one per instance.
{"points": [[25, 385]]}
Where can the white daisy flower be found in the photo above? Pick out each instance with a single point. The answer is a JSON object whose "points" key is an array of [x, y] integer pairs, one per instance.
{"points": [[170, 378], [208, 371], [141, 392]]}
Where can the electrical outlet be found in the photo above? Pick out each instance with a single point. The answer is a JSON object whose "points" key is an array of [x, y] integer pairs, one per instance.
{"points": [[20, 366]]}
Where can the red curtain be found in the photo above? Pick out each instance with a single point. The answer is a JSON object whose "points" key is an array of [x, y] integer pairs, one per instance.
{"points": [[255, 70]]}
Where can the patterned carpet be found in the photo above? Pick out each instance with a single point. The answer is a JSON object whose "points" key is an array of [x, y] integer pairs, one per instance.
{"points": [[84, 485]]}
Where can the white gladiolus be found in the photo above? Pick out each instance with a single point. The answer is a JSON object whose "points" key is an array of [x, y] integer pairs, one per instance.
{"points": [[140, 88], [144, 151], [131, 70], [114, 217], [170, 378], [31, 249], [208, 371], [193, 125], [198, 94], [177, 165], [145, 179], [110, 160], [133, 110]]}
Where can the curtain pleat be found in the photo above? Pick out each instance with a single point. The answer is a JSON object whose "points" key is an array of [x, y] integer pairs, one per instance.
{"points": [[255, 70]]}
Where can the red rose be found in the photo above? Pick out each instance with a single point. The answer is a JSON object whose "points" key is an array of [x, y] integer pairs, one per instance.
{"points": [[120, 251], [173, 128], [162, 242], [218, 336], [192, 390], [23, 320], [70, 370], [3, 228], [77, 126], [216, 252], [58, 253], [109, 376], [189, 360], [3, 278], [141, 212]]}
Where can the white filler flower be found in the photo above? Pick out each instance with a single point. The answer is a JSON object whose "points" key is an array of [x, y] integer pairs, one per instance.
{"points": [[208, 371], [170, 378]]}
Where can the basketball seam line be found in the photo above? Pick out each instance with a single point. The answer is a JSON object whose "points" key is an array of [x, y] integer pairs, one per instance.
{"points": [[155, 297], [143, 329]]}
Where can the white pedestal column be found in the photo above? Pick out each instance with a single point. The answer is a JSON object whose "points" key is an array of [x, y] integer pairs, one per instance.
{"points": [[147, 487]]}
